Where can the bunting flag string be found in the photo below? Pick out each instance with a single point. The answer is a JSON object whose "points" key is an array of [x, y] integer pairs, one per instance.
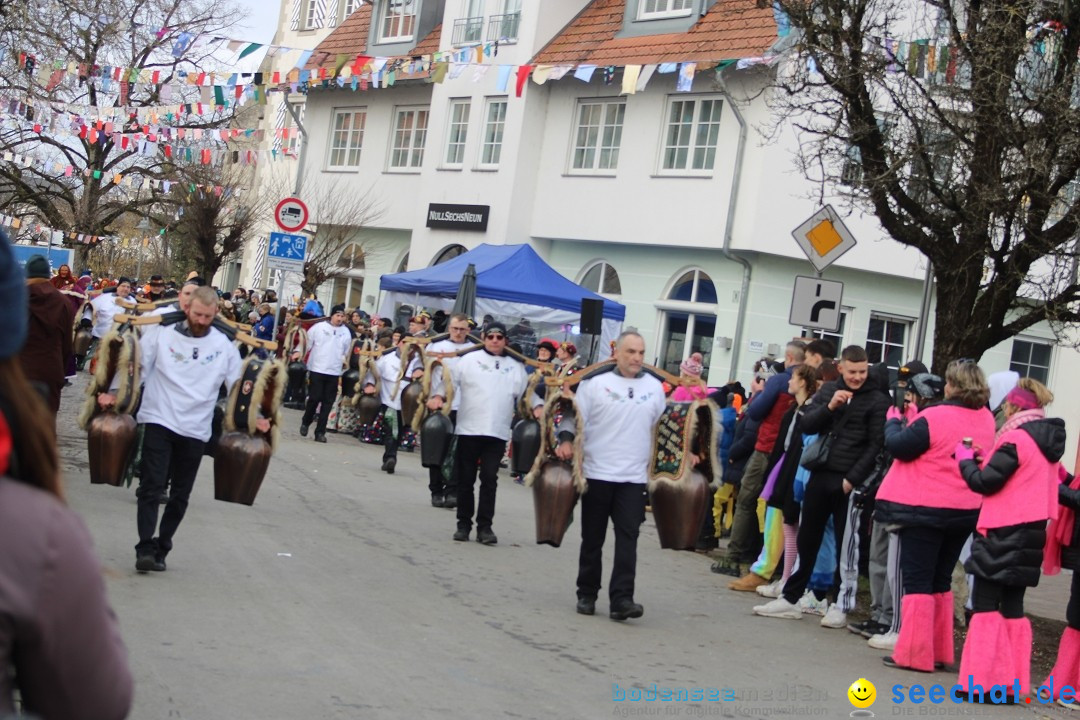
{"points": [[920, 57], [59, 236], [64, 125]]}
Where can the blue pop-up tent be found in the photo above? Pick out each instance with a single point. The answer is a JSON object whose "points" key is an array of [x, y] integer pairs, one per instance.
{"points": [[512, 282]]}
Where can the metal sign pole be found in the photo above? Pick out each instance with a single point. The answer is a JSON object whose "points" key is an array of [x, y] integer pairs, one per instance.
{"points": [[277, 313]]}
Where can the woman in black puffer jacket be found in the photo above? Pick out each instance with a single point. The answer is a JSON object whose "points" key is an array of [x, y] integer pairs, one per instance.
{"points": [[1019, 481]]}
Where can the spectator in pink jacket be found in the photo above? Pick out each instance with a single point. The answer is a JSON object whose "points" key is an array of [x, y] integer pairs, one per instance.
{"points": [[691, 368]]}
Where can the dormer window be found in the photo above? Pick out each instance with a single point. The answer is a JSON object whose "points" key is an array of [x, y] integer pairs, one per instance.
{"points": [[660, 9], [397, 20]]}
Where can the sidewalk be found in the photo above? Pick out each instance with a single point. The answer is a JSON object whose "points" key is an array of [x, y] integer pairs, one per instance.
{"points": [[1049, 599]]}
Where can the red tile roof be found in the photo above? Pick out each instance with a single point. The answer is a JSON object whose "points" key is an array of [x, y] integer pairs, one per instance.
{"points": [[430, 44], [351, 39], [730, 30]]}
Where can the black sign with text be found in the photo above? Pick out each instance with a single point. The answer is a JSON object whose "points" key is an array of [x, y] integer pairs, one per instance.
{"points": [[458, 217]]}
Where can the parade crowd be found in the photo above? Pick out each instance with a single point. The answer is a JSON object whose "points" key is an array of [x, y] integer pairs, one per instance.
{"points": [[828, 468]]}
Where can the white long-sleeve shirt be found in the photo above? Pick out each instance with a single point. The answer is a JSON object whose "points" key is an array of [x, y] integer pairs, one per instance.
{"points": [[389, 365], [447, 346], [182, 375], [104, 308], [329, 348], [619, 416], [489, 387]]}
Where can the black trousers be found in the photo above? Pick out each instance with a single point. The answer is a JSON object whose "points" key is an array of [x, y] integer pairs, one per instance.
{"points": [[167, 458], [825, 497], [391, 438], [624, 503], [322, 391], [930, 554], [477, 454], [990, 596], [438, 483]]}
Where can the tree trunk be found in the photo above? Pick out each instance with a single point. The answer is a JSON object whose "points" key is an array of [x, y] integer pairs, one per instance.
{"points": [[956, 333]]}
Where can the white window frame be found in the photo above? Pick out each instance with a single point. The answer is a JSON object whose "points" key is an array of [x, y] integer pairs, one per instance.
{"points": [[1029, 364], [352, 135], [886, 317], [597, 143], [499, 21], [837, 338], [602, 290], [348, 7], [414, 137], [456, 123], [662, 9], [466, 24], [309, 14], [486, 161], [389, 10], [690, 144]]}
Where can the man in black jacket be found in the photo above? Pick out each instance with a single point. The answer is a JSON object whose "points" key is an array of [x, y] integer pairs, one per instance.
{"points": [[851, 409]]}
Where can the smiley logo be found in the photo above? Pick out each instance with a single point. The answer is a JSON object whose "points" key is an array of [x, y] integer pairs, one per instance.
{"points": [[862, 693]]}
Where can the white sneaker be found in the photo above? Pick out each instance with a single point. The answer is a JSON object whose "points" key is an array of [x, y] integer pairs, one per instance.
{"points": [[772, 590], [835, 618], [810, 605], [886, 641], [779, 608]]}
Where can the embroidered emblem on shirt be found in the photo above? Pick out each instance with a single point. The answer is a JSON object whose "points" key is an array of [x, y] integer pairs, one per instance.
{"points": [[195, 356], [618, 397]]}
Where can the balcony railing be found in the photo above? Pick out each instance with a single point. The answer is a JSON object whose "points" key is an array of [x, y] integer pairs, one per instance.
{"points": [[468, 31], [504, 28]]}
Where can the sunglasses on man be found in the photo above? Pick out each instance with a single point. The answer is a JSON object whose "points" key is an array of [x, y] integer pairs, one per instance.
{"points": [[496, 336]]}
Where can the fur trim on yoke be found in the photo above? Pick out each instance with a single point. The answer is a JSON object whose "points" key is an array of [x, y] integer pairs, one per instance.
{"points": [[365, 365], [701, 417], [551, 441], [78, 316], [524, 406], [432, 365], [264, 383], [296, 340], [406, 350], [117, 358]]}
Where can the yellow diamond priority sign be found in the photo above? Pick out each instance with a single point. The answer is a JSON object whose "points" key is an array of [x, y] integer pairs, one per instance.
{"points": [[824, 238]]}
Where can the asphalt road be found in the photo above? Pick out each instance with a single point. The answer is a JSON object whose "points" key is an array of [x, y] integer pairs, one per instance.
{"points": [[340, 594]]}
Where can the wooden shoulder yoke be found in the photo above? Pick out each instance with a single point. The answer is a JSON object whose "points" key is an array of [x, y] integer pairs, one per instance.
{"points": [[609, 365]]}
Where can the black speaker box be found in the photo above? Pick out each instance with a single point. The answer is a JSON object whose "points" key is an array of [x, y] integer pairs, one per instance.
{"points": [[592, 316]]}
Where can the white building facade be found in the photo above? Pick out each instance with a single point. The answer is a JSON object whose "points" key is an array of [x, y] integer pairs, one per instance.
{"points": [[666, 201]]}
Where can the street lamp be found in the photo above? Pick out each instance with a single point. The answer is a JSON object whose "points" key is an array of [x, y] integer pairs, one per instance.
{"points": [[145, 226]]}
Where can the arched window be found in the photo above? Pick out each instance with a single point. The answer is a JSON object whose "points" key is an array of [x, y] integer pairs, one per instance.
{"points": [[349, 283], [694, 286], [602, 278], [449, 253], [689, 320]]}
